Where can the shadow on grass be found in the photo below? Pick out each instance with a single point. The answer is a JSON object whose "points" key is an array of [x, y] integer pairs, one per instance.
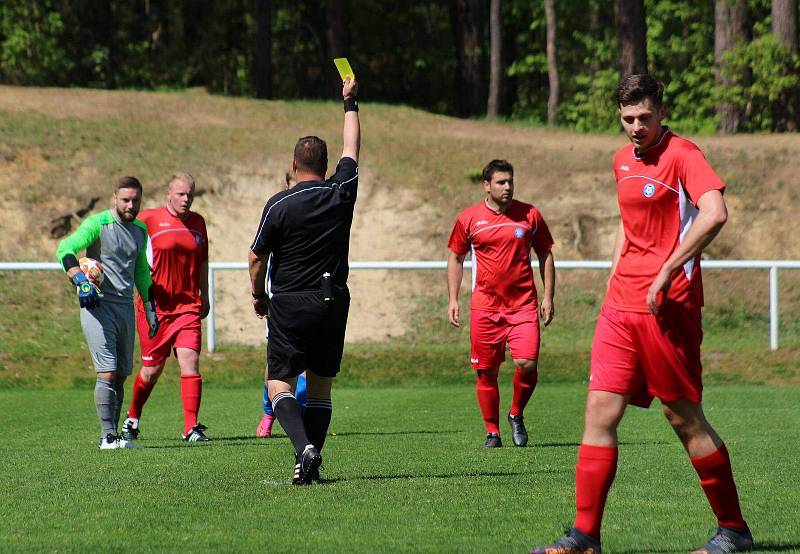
{"points": [[773, 547], [577, 444], [758, 547], [453, 475]]}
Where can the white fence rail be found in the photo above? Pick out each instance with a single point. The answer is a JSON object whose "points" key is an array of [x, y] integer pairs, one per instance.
{"points": [[211, 337]]}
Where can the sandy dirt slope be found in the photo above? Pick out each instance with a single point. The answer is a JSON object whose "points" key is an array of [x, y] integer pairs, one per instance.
{"points": [[414, 180]]}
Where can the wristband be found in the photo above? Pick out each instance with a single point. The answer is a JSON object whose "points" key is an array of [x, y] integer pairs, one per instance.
{"points": [[260, 296], [350, 105]]}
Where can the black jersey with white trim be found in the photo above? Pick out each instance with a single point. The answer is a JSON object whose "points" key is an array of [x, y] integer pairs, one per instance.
{"points": [[307, 230]]}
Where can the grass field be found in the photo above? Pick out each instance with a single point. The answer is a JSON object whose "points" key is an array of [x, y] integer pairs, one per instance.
{"points": [[405, 468]]}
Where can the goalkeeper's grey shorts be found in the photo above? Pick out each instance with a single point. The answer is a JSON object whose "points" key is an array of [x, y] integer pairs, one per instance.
{"points": [[109, 330]]}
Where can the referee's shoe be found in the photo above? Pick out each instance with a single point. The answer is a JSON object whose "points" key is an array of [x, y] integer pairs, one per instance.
{"points": [[307, 466]]}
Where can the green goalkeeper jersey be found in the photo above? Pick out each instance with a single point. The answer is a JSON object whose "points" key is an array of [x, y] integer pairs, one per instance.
{"points": [[120, 247]]}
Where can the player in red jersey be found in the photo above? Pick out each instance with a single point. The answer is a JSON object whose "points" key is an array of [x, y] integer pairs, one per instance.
{"points": [[500, 232], [178, 256], [648, 335]]}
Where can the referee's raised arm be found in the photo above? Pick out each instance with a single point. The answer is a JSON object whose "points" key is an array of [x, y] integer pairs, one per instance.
{"points": [[352, 127]]}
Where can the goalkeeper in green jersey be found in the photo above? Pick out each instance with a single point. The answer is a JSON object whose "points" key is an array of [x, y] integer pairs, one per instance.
{"points": [[118, 241]]}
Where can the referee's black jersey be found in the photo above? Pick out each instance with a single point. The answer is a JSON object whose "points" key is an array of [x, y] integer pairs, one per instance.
{"points": [[307, 231]]}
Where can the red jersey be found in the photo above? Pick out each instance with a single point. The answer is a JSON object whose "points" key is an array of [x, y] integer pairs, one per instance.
{"points": [[501, 253], [176, 250], [658, 196]]}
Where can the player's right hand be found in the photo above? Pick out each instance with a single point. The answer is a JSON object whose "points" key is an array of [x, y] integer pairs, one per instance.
{"points": [[349, 88], [88, 293], [452, 313]]}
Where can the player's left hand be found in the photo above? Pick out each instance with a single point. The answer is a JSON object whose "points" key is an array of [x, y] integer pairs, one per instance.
{"points": [[261, 306], [152, 318], [205, 307], [661, 285], [546, 311]]}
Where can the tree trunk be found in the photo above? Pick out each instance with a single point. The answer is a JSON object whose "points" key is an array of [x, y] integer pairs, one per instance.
{"points": [[786, 110], [729, 29], [263, 14], [552, 67], [496, 59], [467, 28], [632, 32], [338, 37]]}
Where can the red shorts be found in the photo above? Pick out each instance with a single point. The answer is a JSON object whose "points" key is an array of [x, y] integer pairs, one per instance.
{"points": [[648, 356], [490, 332], [174, 331]]}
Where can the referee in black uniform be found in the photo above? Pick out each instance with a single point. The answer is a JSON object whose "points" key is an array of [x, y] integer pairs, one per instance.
{"points": [[306, 229]]}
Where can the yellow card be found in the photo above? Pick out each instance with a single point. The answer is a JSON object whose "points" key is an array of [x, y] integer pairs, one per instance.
{"points": [[344, 68]]}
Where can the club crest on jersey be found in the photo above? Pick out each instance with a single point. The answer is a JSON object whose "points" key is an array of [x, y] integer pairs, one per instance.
{"points": [[649, 190], [519, 232]]}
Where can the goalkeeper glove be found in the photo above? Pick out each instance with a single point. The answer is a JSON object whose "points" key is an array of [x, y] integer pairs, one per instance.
{"points": [[152, 318], [88, 294]]}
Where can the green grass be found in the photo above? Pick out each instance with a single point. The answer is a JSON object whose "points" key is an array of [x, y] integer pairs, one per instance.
{"points": [[406, 473], [41, 344]]}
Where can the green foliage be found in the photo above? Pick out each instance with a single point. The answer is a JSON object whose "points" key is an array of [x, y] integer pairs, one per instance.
{"points": [[32, 49], [403, 55], [774, 71], [680, 41]]}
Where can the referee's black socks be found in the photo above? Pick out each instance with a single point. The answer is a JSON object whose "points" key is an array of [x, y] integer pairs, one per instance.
{"points": [[318, 418], [287, 410]]}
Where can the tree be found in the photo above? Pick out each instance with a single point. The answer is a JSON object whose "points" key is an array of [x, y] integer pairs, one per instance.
{"points": [[496, 59], [468, 32], [632, 34], [552, 66], [729, 30], [263, 49], [338, 37], [786, 109]]}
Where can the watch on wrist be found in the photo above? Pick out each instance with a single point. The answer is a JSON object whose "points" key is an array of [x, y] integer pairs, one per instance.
{"points": [[260, 296]]}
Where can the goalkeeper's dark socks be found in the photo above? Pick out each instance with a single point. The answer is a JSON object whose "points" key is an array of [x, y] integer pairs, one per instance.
{"points": [[489, 400], [716, 478], [105, 400], [594, 474], [141, 392], [317, 420], [287, 410], [524, 384]]}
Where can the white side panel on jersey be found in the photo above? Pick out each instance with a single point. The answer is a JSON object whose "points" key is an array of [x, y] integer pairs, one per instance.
{"points": [[149, 252], [269, 276], [474, 275], [688, 214]]}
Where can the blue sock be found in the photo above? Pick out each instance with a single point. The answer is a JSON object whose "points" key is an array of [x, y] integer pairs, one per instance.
{"points": [[299, 393], [300, 390], [266, 405]]}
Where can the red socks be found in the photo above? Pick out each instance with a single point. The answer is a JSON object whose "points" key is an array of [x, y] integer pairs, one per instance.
{"points": [[191, 392], [716, 478], [594, 473], [524, 384], [489, 400], [141, 392]]}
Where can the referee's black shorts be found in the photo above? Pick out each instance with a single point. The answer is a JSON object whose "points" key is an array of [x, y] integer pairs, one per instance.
{"points": [[306, 333]]}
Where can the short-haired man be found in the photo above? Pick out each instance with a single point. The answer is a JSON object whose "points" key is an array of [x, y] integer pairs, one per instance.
{"points": [[307, 230], [118, 241], [648, 335], [500, 232], [178, 256]]}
